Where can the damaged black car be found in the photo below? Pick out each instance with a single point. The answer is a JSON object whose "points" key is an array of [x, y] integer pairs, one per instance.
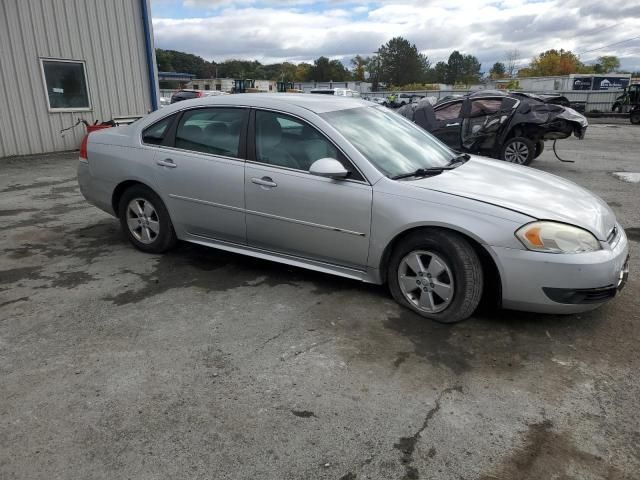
{"points": [[511, 126]]}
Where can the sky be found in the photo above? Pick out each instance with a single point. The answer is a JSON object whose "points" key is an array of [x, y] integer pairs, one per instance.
{"points": [[302, 30]]}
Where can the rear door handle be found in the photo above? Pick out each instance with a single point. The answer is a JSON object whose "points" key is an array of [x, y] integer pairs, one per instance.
{"points": [[264, 181], [167, 162], [453, 124]]}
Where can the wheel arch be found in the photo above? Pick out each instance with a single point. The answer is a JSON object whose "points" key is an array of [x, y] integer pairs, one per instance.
{"points": [[123, 187], [492, 294]]}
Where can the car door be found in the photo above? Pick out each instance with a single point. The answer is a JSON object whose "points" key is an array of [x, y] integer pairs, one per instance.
{"points": [[293, 212], [200, 170], [482, 122], [449, 123]]}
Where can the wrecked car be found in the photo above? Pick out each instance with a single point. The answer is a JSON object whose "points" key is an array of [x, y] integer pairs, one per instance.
{"points": [[507, 125]]}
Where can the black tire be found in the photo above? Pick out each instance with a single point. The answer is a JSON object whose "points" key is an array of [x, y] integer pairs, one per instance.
{"points": [[166, 235], [460, 258], [539, 148], [635, 117], [617, 108], [518, 150]]}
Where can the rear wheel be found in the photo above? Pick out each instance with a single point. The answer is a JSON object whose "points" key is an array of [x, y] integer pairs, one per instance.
{"points": [[518, 150], [436, 274], [145, 220], [635, 117]]}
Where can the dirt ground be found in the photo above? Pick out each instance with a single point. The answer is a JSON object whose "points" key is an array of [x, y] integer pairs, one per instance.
{"points": [[116, 364]]}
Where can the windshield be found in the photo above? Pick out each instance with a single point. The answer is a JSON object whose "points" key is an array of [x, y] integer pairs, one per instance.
{"points": [[391, 143]]}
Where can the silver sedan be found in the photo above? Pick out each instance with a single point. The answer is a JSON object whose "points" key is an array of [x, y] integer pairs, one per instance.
{"points": [[343, 186]]}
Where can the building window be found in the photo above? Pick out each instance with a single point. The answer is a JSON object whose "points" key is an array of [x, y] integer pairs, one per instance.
{"points": [[218, 86], [206, 86], [65, 82], [195, 86]]}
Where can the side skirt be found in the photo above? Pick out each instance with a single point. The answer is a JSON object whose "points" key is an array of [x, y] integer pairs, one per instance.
{"points": [[368, 276]]}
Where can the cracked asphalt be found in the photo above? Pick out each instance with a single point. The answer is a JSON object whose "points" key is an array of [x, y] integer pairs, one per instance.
{"points": [[205, 364]]}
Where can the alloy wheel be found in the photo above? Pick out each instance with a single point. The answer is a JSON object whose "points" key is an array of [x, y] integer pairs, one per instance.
{"points": [[142, 220], [517, 152], [426, 281]]}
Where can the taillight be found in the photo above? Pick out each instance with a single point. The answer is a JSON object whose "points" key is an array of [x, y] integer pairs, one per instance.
{"points": [[83, 149], [200, 94]]}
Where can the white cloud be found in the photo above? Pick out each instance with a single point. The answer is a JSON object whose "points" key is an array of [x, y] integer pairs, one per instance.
{"points": [[301, 30]]}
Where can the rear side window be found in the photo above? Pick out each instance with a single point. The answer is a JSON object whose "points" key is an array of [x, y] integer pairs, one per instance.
{"points": [[485, 106], [449, 112], [212, 130], [155, 134]]}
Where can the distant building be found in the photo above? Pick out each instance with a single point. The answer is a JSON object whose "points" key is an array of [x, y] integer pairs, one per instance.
{"points": [[68, 60], [220, 84], [362, 87]]}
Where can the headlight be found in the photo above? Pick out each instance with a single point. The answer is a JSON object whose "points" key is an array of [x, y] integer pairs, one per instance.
{"points": [[555, 237]]}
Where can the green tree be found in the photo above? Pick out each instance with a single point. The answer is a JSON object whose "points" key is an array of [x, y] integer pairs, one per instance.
{"points": [[401, 63], [359, 66], [554, 62], [373, 69], [325, 70], [498, 70], [440, 72], [470, 69], [174, 61], [303, 72], [607, 64], [455, 68]]}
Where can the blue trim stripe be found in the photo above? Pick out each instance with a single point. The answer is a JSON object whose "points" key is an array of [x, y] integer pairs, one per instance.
{"points": [[146, 20]]}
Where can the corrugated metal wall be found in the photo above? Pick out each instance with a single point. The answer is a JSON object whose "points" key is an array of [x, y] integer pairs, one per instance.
{"points": [[107, 34]]}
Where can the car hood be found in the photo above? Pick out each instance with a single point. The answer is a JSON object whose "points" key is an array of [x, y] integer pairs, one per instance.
{"points": [[525, 190]]}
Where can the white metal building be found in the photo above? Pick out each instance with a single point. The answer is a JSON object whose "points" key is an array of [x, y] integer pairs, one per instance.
{"points": [[67, 60]]}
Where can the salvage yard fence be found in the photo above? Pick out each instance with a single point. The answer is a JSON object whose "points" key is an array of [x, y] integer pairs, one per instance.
{"points": [[585, 100]]}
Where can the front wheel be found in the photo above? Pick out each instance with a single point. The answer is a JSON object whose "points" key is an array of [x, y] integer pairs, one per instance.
{"points": [[436, 274], [145, 220], [518, 150], [635, 117]]}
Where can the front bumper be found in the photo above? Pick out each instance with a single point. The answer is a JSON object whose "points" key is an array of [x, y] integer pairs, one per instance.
{"points": [[562, 283]]}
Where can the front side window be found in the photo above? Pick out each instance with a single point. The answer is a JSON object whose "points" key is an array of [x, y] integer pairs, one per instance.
{"points": [[211, 130], [449, 112], [156, 133], [285, 141], [65, 84], [390, 142]]}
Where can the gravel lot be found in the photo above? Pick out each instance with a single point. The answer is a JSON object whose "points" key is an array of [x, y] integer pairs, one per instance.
{"points": [[115, 364]]}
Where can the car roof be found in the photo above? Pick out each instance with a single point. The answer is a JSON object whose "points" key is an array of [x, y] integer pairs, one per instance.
{"points": [[313, 103]]}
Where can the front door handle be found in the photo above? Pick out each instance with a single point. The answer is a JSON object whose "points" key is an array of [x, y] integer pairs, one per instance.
{"points": [[167, 162], [453, 124], [264, 181]]}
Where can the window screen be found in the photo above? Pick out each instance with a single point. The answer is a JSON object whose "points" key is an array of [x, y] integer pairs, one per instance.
{"points": [[66, 84], [211, 130]]}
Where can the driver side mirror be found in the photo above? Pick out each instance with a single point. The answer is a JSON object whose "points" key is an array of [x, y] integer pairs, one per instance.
{"points": [[328, 167]]}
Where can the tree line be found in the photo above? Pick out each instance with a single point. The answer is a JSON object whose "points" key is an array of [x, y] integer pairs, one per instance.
{"points": [[396, 63]]}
